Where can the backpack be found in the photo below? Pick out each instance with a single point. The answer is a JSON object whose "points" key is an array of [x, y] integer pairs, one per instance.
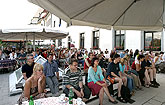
{"points": [[125, 93]]}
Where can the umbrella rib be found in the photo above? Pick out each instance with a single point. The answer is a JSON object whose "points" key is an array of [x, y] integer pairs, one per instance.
{"points": [[124, 12], [87, 9]]}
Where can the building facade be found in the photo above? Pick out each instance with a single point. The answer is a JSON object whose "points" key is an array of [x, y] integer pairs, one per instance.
{"points": [[95, 38]]}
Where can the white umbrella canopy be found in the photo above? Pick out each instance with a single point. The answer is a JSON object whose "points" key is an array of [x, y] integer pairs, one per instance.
{"points": [[39, 33], [121, 14]]}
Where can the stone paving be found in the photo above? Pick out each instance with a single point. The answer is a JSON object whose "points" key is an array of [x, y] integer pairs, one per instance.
{"points": [[149, 96]]}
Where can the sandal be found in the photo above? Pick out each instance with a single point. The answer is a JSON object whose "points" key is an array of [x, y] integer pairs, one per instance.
{"points": [[121, 99], [114, 102]]}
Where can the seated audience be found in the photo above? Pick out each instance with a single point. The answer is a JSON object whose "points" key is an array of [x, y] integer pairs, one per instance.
{"points": [[97, 82], [73, 78], [114, 72]]}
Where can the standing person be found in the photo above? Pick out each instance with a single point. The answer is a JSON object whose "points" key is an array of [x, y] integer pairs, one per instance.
{"points": [[97, 82], [27, 69], [50, 67], [73, 78], [87, 64], [114, 73]]}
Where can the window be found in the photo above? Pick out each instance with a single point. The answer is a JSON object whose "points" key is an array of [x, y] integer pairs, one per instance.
{"points": [[59, 42], [96, 35], [82, 40], [152, 41], [119, 39]]}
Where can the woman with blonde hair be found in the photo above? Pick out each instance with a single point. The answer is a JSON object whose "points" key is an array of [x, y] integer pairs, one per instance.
{"points": [[35, 85]]}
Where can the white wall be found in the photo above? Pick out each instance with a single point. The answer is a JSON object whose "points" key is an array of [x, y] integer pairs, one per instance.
{"points": [[74, 33], [133, 39], [105, 39]]}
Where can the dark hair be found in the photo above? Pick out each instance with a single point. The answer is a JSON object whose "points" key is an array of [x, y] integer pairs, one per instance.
{"points": [[116, 56], [89, 54], [161, 52], [140, 57], [93, 60], [73, 60], [156, 54], [49, 54]]}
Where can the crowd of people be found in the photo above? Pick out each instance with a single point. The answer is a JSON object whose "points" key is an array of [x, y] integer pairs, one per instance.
{"points": [[132, 70]]}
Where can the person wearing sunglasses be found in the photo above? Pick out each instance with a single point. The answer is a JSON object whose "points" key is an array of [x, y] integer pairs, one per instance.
{"points": [[27, 68]]}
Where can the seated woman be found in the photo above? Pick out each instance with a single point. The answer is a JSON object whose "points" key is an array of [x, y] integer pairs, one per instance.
{"points": [[97, 83], [35, 85], [123, 70]]}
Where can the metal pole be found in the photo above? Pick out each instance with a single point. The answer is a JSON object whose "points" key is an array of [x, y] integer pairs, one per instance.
{"points": [[26, 42], [163, 31], [34, 41], [113, 38]]}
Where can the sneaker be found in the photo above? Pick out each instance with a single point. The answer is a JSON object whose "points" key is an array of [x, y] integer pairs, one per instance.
{"points": [[153, 85]]}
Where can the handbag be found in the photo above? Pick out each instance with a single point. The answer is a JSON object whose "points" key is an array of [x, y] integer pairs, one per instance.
{"points": [[112, 80]]}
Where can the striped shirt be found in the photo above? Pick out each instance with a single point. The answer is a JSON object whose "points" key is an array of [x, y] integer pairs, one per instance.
{"points": [[72, 78]]}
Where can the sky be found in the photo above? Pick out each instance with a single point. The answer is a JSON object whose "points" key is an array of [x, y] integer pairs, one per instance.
{"points": [[16, 13]]}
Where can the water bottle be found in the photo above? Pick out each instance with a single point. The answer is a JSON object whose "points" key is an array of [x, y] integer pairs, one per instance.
{"points": [[31, 101], [71, 95]]}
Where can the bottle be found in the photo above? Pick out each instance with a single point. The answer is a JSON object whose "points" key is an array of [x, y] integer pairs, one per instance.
{"points": [[31, 102], [71, 95]]}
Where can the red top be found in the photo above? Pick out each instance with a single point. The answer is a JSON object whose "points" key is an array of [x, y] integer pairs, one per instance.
{"points": [[133, 66], [85, 65], [45, 55]]}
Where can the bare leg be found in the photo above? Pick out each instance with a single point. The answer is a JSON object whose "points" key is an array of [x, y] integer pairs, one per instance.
{"points": [[119, 80], [101, 96], [154, 73], [147, 77], [151, 74], [108, 94], [124, 80]]}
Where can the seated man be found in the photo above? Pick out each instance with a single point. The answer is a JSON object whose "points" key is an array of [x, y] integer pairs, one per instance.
{"points": [[80, 58], [151, 70], [73, 78], [114, 73], [27, 69], [21, 57], [50, 68]]}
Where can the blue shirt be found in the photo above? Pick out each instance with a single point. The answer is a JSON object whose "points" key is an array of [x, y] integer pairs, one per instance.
{"points": [[95, 76], [122, 68], [50, 68], [122, 55]]}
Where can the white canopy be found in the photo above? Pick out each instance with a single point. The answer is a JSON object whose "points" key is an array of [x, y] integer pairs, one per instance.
{"points": [[122, 14], [31, 33]]}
